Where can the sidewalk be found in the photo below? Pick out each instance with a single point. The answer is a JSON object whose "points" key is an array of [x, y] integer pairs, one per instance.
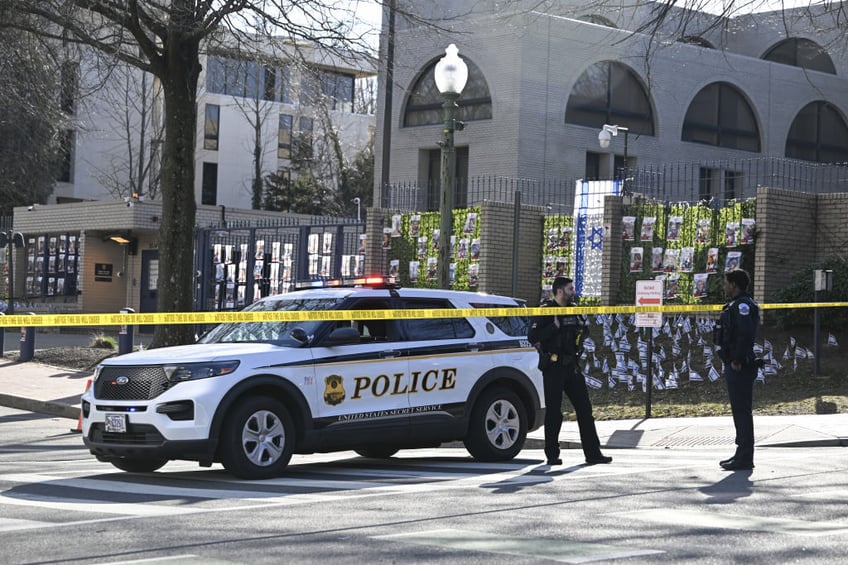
{"points": [[53, 391]]}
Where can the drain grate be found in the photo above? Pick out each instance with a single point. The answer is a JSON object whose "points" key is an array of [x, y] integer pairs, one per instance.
{"points": [[693, 441]]}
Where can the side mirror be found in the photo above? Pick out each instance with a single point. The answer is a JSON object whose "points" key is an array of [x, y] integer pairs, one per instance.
{"points": [[299, 335]]}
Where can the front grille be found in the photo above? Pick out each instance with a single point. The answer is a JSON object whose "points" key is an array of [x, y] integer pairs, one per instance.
{"points": [[136, 434], [142, 383]]}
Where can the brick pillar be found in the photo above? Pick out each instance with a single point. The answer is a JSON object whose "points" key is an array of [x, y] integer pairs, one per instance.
{"points": [[613, 250], [497, 261]]}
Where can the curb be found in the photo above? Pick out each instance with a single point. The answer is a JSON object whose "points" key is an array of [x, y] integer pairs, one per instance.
{"points": [[41, 407]]}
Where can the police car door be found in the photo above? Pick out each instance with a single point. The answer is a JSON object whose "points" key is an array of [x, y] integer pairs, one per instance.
{"points": [[362, 387], [444, 364]]}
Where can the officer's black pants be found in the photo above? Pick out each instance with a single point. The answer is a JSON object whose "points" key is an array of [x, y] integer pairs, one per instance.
{"points": [[740, 390], [560, 378]]}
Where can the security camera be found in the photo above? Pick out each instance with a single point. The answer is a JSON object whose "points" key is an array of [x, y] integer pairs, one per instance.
{"points": [[120, 274], [356, 200], [30, 208]]}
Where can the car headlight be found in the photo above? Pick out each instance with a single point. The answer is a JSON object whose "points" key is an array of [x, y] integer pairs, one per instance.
{"points": [[96, 374], [194, 371]]}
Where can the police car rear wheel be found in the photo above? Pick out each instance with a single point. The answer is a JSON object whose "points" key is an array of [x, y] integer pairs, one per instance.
{"points": [[377, 452], [257, 441], [498, 426], [136, 465]]}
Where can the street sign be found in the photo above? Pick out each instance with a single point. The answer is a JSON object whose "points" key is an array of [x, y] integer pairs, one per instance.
{"points": [[649, 293]]}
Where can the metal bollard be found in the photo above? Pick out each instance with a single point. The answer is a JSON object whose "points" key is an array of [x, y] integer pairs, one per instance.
{"points": [[125, 336], [27, 342], [2, 339]]}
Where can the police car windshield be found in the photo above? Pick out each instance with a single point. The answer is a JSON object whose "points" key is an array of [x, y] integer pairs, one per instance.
{"points": [[272, 332]]}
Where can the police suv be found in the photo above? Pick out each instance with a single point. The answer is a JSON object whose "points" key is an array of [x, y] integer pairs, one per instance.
{"points": [[250, 394]]}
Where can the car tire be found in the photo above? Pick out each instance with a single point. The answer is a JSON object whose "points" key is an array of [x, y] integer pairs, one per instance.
{"points": [[377, 452], [498, 426], [138, 465], [257, 440]]}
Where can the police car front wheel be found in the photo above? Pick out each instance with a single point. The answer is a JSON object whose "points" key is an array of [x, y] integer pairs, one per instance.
{"points": [[498, 426], [257, 441]]}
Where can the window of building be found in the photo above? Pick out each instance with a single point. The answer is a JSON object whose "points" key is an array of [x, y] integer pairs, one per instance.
{"points": [[800, 52], [209, 184], [304, 137], [424, 104], [705, 183], [210, 127], [270, 84], [732, 185], [234, 77], [818, 133], [609, 92], [70, 87], [66, 156], [284, 77], [719, 115], [284, 142]]}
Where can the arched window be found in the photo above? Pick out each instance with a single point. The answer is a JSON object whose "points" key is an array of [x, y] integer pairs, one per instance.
{"points": [[818, 133], [424, 104], [610, 93], [596, 19], [719, 115], [800, 52], [695, 40]]}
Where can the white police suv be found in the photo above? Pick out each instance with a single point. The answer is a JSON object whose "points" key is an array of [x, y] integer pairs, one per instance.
{"points": [[251, 394]]}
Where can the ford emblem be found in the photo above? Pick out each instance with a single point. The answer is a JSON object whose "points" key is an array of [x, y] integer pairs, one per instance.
{"points": [[122, 380]]}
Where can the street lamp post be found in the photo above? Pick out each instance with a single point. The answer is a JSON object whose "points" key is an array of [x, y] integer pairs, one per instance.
{"points": [[604, 137], [451, 75]]}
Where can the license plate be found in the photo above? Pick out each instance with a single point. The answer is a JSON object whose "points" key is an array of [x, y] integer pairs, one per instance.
{"points": [[116, 423]]}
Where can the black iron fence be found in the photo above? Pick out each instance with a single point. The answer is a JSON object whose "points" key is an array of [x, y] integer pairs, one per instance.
{"points": [[719, 181]]}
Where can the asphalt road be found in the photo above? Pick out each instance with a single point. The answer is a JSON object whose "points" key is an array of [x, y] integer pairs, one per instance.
{"points": [[59, 505]]}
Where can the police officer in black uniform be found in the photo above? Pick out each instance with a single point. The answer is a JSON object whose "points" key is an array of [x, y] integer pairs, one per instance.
{"points": [[558, 339], [734, 338]]}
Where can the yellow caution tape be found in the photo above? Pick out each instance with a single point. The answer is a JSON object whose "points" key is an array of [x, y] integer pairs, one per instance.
{"points": [[210, 318]]}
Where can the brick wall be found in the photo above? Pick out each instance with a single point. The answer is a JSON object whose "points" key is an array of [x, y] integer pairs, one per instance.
{"points": [[786, 238], [497, 260], [613, 250]]}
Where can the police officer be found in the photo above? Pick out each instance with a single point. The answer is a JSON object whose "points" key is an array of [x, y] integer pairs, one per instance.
{"points": [[558, 340], [734, 338]]}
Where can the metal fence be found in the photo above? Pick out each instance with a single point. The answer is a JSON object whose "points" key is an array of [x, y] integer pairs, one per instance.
{"points": [[719, 181]]}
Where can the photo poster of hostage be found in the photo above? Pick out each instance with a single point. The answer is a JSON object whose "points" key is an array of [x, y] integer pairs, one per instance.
{"points": [[589, 234]]}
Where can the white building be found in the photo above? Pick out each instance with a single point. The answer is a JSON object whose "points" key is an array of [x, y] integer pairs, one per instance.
{"points": [[544, 77], [298, 94]]}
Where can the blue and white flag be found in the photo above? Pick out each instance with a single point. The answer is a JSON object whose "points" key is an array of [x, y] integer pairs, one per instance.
{"points": [[786, 355], [831, 340], [695, 377], [670, 383], [770, 370], [758, 348], [611, 381], [792, 342], [589, 345], [713, 375], [767, 345], [593, 383], [624, 345], [605, 367], [687, 326], [675, 349], [761, 376]]}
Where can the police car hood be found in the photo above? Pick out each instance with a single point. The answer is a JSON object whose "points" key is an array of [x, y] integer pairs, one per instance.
{"points": [[205, 352]]}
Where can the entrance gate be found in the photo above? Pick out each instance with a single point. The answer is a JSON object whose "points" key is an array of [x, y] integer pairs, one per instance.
{"points": [[240, 263]]}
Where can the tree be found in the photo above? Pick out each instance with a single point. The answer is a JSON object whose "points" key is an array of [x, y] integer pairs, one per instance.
{"points": [[165, 39], [30, 121]]}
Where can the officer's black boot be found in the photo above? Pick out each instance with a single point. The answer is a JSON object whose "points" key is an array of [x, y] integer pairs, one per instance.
{"points": [[743, 461], [731, 459]]}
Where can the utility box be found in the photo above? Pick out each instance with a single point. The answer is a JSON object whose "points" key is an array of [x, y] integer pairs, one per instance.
{"points": [[823, 280]]}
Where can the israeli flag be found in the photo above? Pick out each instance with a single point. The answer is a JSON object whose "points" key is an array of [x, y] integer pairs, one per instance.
{"points": [[761, 376], [589, 345], [786, 355], [713, 375], [675, 349], [593, 383], [767, 345], [770, 370], [624, 345], [611, 382], [670, 384], [831, 340], [695, 377]]}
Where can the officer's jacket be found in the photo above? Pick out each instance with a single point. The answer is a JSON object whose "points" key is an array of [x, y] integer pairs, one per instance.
{"points": [[563, 340], [737, 329]]}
